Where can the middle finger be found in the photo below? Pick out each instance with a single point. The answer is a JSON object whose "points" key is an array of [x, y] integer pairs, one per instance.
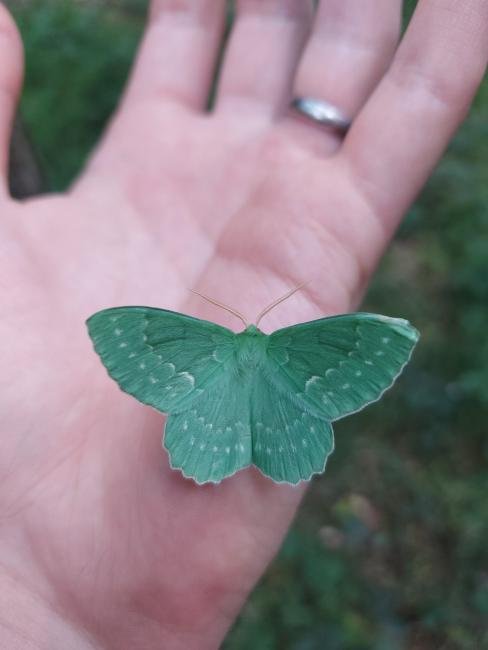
{"points": [[261, 55]]}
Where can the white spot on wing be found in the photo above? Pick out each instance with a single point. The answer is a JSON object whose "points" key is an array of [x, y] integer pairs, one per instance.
{"points": [[142, 366], [385, 340], [188, 377], [379, 353], [118, 331], [132, 355], [368, 362], [215, 448], [346, 386], [310, 382], [268, 450], [123, 344], [185, 425], [227, 450], [358, 373]]}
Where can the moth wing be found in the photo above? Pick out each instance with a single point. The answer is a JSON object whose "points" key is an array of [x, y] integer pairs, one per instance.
{"points": [[290, 443], [338, 365], [163, 358], [212, 438]]}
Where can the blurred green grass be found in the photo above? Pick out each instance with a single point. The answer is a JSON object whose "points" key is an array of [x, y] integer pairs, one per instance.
{"points": [[389, 550]]}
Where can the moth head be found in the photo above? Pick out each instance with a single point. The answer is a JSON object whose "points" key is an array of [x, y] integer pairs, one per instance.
{"points": [[253, 330]]}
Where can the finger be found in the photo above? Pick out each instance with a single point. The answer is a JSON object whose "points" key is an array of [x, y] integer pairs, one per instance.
{"points": [[348, 52], [402, 131], [177, 56], [11, 73], [262, 53]]}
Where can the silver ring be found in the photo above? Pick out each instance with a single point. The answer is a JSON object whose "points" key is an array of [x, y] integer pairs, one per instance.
{"points": [[322, 112]]}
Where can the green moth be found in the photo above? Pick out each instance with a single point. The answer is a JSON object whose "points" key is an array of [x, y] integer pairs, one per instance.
{"points": [[250, 398]]}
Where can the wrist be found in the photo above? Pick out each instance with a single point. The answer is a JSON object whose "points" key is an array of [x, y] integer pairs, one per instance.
{"points": [[29, 622]]}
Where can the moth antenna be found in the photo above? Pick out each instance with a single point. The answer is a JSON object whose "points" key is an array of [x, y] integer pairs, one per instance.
{"points": [[278, 301], [222, 306]]}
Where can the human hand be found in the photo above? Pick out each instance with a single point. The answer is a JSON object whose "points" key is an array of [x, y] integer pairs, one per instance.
{"points": [[102, 544]]}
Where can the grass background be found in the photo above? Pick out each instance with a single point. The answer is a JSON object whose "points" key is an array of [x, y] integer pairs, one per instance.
{"points": [[389, 550]]}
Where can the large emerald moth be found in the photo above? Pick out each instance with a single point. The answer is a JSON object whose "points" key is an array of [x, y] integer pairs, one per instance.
{"points": [[248, 398]]}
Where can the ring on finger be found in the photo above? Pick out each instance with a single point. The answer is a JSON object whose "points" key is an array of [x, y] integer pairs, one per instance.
{"points": [[322, 112]]}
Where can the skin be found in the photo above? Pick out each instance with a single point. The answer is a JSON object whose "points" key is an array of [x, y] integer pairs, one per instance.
{"points": [[101, 544]]}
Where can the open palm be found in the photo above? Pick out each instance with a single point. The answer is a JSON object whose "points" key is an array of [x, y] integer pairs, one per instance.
{"points": [[102, 544]]}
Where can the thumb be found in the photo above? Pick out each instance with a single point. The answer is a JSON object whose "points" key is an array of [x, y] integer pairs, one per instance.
{"points": [[11, 74]]}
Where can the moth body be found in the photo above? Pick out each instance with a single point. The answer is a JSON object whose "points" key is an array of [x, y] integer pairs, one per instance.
{"points": [[250, 350]]}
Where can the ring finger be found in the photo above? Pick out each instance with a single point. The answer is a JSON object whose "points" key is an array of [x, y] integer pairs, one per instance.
{"points": [[348, 51]]}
